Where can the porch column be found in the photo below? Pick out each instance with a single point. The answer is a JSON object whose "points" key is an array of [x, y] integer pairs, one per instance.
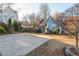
{"points": [[60, 30]]}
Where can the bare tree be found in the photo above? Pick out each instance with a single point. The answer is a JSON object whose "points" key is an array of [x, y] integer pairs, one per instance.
{"points": [[44, 11], [32, 17], [38, 18], [69, 23], [33, 20], [25, 17], [57, 15]]}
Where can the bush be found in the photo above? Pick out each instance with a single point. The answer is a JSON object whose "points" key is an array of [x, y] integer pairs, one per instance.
{"points": [[50, 32], [17, 26], [2, 30], [39, 30], [5, 26], [55, 31]]}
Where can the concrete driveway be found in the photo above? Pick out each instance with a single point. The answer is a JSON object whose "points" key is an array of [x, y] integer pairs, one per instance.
{"points": [[19, 44]]}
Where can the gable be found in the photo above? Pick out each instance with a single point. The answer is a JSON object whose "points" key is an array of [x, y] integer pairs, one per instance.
{"points": [[8, 9], [50, 23], [50, 20]]}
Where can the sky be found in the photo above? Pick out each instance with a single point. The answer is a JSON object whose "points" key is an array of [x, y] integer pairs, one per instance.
{"points": [[28, 8]]}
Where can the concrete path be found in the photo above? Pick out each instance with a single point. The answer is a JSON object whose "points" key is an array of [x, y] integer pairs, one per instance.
{"points": [[19, 44]]}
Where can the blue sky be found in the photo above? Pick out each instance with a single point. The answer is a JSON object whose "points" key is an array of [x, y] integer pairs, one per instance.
{"points": [[28, 8], [59, 6]]}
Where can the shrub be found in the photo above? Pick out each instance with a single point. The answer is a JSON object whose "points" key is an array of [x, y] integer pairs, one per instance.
{"points": [[5, 26], [2, 30], [40, 30], [55, 31], [17, 26]]}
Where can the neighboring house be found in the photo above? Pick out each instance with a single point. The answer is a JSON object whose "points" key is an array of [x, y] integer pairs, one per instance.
{"points": [[26, 26], [50, 25], [6, 13]]}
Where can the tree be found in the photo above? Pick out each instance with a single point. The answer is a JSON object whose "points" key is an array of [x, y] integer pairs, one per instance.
{"points": [[69, 24], [33, 24], [17, 26], [25, 17], [32, 17], [33, 20], [38, 18], [44, 11], [10, 25], [57, 15]]}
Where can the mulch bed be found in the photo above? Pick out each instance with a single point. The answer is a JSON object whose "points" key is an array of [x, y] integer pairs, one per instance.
{"points": [[50, 48]]}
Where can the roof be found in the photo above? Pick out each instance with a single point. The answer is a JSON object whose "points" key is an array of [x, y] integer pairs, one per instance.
{"points": [[43, 23], [2, 7], [25, 24], [9, 8]]}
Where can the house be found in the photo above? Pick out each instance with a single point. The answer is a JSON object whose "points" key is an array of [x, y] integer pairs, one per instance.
{"points": [[49, 25], [6, 13], [26, 26]]}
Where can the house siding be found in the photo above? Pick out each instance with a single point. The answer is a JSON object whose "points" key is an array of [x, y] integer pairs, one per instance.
{"points": [[50, 24], [8, 13]]}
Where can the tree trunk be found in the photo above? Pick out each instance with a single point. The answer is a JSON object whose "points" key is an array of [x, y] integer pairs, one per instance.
{"points": [[76, 41], [76, 37]]}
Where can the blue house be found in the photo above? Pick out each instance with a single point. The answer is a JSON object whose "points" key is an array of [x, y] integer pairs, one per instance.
{"points": [[50, 25]]}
